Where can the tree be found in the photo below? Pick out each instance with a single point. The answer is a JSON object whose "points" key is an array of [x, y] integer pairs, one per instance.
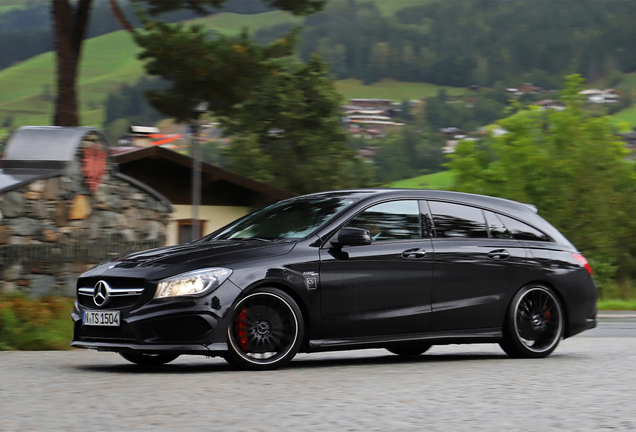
{"points": [[392, 159], [408, 152], [70, 20], [290, 132], [222, 71], [571, 166], [70, 27]]}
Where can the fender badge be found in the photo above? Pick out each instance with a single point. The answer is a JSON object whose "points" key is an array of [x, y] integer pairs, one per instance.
{"points": [[311, 279]]}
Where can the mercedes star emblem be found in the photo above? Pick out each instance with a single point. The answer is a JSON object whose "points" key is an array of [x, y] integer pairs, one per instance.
{"points": [[101, 293]]}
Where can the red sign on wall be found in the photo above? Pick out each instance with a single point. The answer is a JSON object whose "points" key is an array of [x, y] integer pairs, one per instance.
{"points": [[94, 165]]}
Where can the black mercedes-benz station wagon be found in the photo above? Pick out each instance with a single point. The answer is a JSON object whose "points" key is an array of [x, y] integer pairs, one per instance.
{"points": [[384, 268]]}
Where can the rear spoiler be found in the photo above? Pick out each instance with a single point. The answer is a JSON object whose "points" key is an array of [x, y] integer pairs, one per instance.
{"points": [[532, 207]]}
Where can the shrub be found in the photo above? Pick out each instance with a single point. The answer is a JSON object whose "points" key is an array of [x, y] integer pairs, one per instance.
{"points": [[40, 324]]}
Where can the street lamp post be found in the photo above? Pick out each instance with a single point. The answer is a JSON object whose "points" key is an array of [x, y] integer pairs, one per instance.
{"points": [[196, 168]]}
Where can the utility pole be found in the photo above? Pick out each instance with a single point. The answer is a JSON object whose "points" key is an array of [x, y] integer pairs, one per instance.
{"points": [[196, 168]]}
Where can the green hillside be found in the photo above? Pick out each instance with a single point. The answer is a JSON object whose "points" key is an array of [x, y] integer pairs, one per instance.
{"points": [[628, 115], [107, 62], [441, 180], [110, 60], [390, 89], [390, 7], [7, 5]]}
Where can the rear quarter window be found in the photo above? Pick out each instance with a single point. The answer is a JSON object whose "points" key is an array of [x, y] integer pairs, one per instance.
{"points": [[523, 231]]}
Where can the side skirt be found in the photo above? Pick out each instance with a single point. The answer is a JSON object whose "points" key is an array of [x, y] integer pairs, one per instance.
{"points": [[488, 335]]}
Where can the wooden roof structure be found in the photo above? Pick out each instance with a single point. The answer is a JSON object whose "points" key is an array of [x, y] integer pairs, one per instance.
{"points": [[170, 173]]}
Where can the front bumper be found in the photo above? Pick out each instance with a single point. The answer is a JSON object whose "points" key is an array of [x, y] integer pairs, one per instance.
{"points": [[188, 325], [215, 349]]}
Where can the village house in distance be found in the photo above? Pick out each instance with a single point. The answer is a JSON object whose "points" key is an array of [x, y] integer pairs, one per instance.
{"points": [[371, 118]]}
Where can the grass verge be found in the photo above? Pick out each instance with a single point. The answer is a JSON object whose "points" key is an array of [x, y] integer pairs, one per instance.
{"points": [[35, 324], [616, 304]]}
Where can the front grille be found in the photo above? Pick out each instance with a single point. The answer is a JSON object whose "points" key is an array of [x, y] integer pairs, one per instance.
{"points": [[113, 302], [123, 292]]}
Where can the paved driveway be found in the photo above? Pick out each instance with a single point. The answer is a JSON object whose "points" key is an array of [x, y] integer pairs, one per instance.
{"points": [[587, 384]]}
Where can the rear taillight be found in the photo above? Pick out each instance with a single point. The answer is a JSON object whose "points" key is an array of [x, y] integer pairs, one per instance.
{"points": [[581, 259]]}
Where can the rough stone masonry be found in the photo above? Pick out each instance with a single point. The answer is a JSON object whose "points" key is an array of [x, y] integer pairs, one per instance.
{"points": [[53, 229]]}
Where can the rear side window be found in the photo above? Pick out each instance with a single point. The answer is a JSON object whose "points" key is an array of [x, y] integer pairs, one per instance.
{"points": [[458, 221], [496, 227], [522, 231]]}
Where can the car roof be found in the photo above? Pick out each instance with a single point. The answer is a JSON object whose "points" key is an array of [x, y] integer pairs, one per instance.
{"points": [[460, 197], [525, 212]]}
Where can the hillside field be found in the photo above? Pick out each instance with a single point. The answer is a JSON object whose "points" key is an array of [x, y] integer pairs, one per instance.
{"points": [[107, 62], [390, 89], [442, 180], [110, 60]]}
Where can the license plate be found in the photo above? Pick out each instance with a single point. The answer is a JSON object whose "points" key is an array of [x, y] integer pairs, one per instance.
{"points": [[100, 318]]}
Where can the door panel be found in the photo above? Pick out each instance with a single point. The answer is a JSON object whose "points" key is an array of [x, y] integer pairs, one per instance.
{"points": [[477, 265], [379, 289], [473, 280]]}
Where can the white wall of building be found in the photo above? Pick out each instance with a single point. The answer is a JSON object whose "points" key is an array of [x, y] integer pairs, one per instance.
{"points": [[215, 217]]}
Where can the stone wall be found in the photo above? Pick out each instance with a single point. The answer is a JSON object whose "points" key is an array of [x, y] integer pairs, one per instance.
{"points": [[53, 229]]}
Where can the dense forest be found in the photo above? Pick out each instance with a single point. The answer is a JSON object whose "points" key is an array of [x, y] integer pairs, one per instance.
{"points": [[460, 43]]}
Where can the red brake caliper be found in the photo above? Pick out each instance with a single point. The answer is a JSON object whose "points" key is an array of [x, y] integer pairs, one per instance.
{"points": [[241, 328], [546, 315]]}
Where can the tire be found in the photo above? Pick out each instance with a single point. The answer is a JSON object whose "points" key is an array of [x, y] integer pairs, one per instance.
{"points": [[266, 330], [143, 359], [409, 349], [534, 323]]}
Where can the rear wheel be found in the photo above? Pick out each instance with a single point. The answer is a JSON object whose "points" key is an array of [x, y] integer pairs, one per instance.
{"points": [[266, 330], [409, 349], [143, 359], [534, 323]]}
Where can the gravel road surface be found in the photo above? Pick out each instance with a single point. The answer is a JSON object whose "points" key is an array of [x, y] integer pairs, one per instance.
{"points": [[589, 383]]}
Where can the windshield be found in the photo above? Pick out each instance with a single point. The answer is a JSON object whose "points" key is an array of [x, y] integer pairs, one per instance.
{"points": [[293, 219]]}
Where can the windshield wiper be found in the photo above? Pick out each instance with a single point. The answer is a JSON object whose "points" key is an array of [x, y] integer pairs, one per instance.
{"points": [[257, 238]]}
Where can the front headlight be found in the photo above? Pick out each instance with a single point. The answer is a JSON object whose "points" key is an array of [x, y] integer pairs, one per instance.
{"points": [[191, 283]]}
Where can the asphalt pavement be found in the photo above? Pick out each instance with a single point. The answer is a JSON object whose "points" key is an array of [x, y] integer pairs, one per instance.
{"points": [[614, 324], [588, 383]]}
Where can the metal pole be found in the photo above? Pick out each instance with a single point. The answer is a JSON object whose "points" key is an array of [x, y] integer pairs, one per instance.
{"points": [[196, 178], [196, 168]]}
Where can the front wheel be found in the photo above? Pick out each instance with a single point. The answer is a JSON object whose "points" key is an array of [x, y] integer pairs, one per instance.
{"points": [[143, 359], [266, 330], [534, 323]]}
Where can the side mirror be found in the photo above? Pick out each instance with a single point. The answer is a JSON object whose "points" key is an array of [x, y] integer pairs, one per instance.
{"points": [[352, 237]]}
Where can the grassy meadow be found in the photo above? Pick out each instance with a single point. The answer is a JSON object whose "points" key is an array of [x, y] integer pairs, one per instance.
{"points": [[110, 60], [107, 62], [441, 180], [390, 89]]}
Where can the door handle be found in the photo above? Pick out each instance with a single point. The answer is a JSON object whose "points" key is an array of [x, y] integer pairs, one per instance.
{"points": [[499, 254], [414, 253]]}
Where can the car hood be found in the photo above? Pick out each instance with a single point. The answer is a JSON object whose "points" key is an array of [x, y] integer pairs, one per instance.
{"points": [[170, 260]]}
